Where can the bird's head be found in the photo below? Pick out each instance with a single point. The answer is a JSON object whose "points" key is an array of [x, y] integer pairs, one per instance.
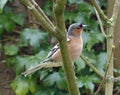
{"points": [[76, 29]]}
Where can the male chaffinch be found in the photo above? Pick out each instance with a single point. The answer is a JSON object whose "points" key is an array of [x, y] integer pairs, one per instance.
{"points": [[75, 45]]}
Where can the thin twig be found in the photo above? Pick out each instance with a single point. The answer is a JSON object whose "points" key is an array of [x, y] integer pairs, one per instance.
{"points": [[105, 76], [100, 11], [42, 13], [103, 81], [116, 79], [100, 22], [92, 67], [41, 17]]}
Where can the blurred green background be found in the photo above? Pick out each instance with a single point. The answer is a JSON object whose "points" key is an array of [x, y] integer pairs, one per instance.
{"points": [[24, 44]]}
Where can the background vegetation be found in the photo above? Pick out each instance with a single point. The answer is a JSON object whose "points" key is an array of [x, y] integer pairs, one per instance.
{"points": [[23, 44]]}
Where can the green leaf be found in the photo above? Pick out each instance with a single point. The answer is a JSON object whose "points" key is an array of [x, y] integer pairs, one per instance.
{"points": [[48, 8], [100, 37], [102, 58], [31, 36], [87, 82], [91, 42], [80, 64], [9, 26], [32, 86], [51, 79], [45, 91], [10, 50], [10, 61], [61, 83], [2, 4], [20, 86], [20, 64], [101, 61], [43, 74], [89, 85], [84, 7], [41, 55], [18, 18], [74, 1], [1, 29], [86, 37], [70, 16], [25, 63]]}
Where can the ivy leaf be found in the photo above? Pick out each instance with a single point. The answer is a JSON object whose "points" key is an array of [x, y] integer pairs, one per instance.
{"points": [[31, 36], [20, 86], [41, 55], [10, 60], [102, 58], [80, 64], [71, 16], [51, 79], [74, 1], [86, 37], [87, 82], [25, 63], [48, 8], [20, 64], [1, 30], [84, 7], [45, 91], [2, 4], [32, 86], [11, 50], [100, 37], [91, 42], [18, 18], [89, 85], [101, 61], [9, 26], [61, 82]]}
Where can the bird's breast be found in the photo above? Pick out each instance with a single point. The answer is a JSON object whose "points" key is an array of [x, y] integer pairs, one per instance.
{"points": [[75, 47]]}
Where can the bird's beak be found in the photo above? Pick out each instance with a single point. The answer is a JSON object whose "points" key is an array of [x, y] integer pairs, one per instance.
{"points": [[84, 26]]}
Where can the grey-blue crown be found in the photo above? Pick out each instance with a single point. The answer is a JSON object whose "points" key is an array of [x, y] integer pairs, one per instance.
{"points": [[73, 26]]}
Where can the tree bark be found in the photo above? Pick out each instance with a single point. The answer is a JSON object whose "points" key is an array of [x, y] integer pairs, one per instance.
{"points": [[117, 45]]}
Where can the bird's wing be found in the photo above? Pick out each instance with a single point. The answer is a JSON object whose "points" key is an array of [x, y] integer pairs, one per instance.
{"points": [[46, 63], [53, 50]]}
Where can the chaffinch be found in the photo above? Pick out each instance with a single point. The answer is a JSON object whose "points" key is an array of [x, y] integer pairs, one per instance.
{"points": [[75, 45]]}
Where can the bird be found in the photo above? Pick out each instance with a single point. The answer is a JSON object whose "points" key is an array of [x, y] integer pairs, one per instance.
{"points": [[75, 46]]}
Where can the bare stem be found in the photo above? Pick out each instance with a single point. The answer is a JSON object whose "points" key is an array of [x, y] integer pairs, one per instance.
{"points": [[92, 67], [59, 6], [100, 22], [100, 11], [40, 16], [110, 44]]}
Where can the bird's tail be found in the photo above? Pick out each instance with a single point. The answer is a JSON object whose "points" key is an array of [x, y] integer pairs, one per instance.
{"points": [[41, 66]]}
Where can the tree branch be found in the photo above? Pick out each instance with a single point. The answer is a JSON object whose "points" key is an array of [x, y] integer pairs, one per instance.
{"points": [[115, 11], [42, 13], [100, 22], [40, 16], [59, 6], [92, 67], [101, 13], [110, 43]]}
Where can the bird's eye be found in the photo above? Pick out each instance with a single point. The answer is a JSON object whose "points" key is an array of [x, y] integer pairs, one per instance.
{"points": [[78, 27]]}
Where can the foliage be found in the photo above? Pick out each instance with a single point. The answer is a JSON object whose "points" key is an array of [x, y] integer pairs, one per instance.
{"points": [[9, 21], [2, 4], [33, 47]]}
